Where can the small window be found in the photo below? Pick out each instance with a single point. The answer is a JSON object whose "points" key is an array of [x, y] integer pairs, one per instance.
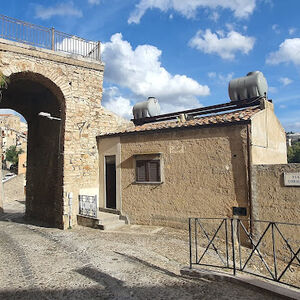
{"points": [[148, 168]]}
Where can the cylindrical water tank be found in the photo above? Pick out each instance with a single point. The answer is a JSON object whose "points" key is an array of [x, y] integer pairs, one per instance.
{"points": [[149, 108], [247, 87]]}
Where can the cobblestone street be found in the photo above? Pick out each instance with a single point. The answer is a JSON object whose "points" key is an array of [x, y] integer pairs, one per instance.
{"points": [[136, 262]]}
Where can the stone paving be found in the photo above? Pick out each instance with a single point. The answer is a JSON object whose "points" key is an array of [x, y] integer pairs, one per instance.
{"points": [[135, 262]]}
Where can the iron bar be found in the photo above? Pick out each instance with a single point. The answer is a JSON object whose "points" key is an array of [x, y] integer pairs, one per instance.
{"points": [[232, 242], [226, 243], [274, 251], [236, 228], [239, 241], [190, 243], [287, 243], [214, 247], [256, 249], [288, 265], [196, 241]]}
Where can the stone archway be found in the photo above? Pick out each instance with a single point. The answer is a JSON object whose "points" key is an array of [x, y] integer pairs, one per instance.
{"points": [[29, 94]]}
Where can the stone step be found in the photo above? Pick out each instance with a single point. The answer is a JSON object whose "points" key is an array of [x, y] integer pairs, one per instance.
{"points": [[109, 221], [106, 218], [112, 226]]}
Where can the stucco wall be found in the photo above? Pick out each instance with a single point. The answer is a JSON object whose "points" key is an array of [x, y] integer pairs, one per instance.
{"points": [[205, 175], [268, 140], [272, 201]]}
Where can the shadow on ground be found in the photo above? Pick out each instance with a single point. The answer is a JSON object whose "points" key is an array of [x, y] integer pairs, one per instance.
{"points": [[108, 287]]}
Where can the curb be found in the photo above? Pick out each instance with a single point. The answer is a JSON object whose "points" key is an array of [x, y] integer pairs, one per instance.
{"points": [[282, 291]]}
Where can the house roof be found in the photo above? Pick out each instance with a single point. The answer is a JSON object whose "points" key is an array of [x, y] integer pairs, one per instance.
{"points": [[225, 118]]}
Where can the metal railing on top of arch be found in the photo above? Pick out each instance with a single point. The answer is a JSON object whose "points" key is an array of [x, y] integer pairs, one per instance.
{"points": [[48, 38], [271, 251]]}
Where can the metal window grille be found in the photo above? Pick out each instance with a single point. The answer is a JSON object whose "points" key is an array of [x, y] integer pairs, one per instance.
{"points": [[88, 206]]}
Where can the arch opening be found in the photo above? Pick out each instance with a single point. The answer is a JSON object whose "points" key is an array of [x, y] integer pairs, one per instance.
{"points": [[30, 94]]}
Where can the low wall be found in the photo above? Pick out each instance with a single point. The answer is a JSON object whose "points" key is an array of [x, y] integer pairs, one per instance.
{"points": [[273, 201]]}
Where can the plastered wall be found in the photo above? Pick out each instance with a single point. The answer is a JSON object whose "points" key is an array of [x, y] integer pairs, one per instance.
{"points": [[268, 139], [204, 171]]}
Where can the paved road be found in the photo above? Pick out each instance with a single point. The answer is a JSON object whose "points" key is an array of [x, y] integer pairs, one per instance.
{"points": [[137, 262]]}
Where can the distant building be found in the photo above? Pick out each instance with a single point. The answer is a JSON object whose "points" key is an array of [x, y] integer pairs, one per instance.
{"points": [[292, 138], [14, 132]]}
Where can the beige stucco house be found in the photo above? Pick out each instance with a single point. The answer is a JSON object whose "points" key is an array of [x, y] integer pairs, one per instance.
{"points": [[163, 172]]}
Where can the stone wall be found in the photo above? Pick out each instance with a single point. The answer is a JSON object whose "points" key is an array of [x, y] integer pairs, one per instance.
{"points": [[271, 200], [204, 170], [76, 85]]}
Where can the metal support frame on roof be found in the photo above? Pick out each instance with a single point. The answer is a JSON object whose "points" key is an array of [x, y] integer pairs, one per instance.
{"points": [[201, 111]]}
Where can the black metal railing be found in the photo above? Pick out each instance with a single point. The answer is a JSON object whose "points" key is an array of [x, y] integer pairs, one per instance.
{"points": [[271, 250], [48, 38], [88, 206]]}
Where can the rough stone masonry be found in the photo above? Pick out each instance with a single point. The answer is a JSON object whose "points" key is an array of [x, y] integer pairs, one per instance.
{"points": [[62, 155]]}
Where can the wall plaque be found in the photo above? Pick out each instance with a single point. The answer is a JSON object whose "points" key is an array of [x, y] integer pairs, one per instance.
{"points": [[292, 179]]}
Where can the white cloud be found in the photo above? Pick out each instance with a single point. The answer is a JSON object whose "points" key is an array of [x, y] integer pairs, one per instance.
{"points": [[140, 70], [273, 89], [188, 8], [275, 28], [221, 78], [225, 78], [61, 9], [114, 102], [94, 2], [285, 80], [224, 46], [292, 31], [212, 74], [289, 51]]}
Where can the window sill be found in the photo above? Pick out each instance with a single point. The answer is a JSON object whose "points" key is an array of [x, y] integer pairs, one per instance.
{"points": [[148, 182]]}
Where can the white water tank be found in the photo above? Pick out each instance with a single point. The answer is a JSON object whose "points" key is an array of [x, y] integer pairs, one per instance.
{"points": [[149, 108], [247, 87]]}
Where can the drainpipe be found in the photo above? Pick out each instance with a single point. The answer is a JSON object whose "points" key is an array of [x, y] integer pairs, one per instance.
{"points": [[249, 163], [70, 197]]}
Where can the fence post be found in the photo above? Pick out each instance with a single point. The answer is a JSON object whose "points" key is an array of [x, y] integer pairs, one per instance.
{"points": [[98, 51], [52, 38], [190, 242], [232, 242]]}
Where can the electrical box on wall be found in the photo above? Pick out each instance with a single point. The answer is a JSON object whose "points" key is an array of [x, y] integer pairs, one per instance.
{"points": [[239, 211]]}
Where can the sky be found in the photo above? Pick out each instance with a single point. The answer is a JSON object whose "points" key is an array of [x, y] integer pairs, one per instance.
{"points": [[183, 52]]}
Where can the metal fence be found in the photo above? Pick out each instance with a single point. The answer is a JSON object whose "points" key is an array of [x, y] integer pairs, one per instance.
{"points": [[271, 251], [88, 206], [48, 38]]}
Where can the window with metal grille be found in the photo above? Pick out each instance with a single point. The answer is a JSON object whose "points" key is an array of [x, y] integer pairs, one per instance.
{"points": [[148, 171]]}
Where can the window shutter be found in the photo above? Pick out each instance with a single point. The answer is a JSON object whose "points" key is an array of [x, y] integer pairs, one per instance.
{"points": [[140, 170], [154, 171]]}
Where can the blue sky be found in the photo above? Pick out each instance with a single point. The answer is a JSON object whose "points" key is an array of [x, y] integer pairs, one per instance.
{"points": [[184, 52]]}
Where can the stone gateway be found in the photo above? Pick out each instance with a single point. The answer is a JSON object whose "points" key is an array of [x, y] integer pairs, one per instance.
{"points": [[62, 152]]}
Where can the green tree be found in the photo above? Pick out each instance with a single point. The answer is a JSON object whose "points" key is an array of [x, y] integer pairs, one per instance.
{"points": [[294, 153], [12, 155]]}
